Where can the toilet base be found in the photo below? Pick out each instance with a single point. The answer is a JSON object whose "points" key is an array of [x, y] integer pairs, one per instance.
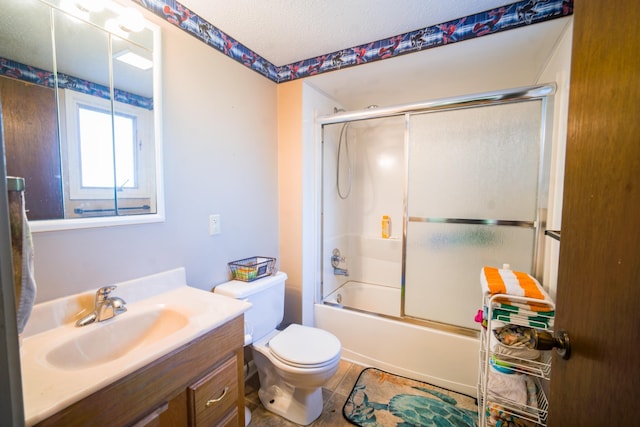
{"points": [[294, 393], [299, 405], [247, 416]]}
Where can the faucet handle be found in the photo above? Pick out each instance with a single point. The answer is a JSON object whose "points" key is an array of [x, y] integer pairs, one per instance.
{"points": [[119, 305], [103, 293], [336, 258]]}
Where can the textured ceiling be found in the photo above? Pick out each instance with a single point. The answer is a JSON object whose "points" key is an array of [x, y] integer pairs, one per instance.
{"points": [[286, 31]]}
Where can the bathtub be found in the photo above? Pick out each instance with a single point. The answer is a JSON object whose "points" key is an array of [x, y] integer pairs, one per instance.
{"points": [[443, 358], [367, 297]]}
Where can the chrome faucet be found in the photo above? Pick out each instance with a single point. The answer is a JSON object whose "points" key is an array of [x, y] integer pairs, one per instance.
{"points": [[105, 308], [336, 259]]}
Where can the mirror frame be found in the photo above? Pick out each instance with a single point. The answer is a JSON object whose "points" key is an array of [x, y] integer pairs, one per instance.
{"points": [[108, 221]]}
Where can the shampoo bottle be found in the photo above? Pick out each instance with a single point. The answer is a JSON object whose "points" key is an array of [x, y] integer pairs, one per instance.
{"points": [[386, 227]]}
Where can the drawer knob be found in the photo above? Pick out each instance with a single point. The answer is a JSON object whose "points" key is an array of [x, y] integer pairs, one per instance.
{"points": [[212, 402]]}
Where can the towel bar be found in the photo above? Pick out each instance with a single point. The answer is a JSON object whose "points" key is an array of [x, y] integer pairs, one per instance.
{"points": [[81, 211], [15, 183]]}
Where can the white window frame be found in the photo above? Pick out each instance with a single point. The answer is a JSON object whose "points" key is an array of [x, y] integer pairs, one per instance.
{"points": [[145, 156]]}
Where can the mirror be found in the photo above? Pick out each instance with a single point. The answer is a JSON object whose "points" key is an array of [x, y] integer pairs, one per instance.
{"points": [[81, 124]]}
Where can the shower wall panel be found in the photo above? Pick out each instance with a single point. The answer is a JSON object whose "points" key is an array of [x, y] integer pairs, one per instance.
{"points": [[371, 180], [335, 213]]}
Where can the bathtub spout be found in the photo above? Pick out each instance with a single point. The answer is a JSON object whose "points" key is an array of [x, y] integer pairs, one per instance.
{"points": [[340, 271]]}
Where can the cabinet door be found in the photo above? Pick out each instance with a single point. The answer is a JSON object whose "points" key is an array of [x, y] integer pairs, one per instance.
{"points": [[153, 419], [214, 395]]}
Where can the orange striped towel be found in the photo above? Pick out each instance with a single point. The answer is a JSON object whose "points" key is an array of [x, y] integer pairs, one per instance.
{"points": [[509, 282]]}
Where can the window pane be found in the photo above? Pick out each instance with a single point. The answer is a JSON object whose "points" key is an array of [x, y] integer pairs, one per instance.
{"points": [[125, 152], [96, 152], [96, 149]]}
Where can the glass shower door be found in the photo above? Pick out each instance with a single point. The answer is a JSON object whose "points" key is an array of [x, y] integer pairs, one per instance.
{"points": [[472, 200]]}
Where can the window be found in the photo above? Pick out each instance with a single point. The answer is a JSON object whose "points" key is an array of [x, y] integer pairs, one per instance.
{"points": [[95, 165], [97, 151]]}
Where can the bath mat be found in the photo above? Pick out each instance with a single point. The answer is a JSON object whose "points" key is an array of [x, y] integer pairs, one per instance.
{"points": [[381, 399]]}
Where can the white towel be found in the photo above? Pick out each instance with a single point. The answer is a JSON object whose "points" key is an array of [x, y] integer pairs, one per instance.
{"points": [[520, 389]]}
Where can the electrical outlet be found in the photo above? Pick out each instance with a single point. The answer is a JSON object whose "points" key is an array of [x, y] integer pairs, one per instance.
{"points": [[214, 224]]}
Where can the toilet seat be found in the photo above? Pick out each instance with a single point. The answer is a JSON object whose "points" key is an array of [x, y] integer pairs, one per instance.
{"points": [[305, 347]]}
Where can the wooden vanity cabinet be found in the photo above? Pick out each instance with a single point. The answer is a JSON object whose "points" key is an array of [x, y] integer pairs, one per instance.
{"points": [[213, 396], [199, 384]]}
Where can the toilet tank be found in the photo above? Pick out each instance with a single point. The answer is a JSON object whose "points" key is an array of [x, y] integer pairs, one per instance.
{"points": [[266, 296]]}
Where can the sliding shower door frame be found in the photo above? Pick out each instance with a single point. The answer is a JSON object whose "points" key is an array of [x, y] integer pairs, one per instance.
{"points": [[543, 93]]}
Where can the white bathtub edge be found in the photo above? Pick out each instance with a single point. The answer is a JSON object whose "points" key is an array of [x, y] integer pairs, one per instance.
{"points": [[440, 358], [360, 359]]}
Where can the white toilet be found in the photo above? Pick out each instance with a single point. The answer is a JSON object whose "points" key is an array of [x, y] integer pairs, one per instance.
{"points": [[292, 364]]}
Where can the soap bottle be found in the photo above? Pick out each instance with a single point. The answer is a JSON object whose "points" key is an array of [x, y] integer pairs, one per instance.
{"points": [[386, 227]]}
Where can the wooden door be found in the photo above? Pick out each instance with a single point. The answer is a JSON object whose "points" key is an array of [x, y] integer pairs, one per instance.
{"points": [[598, 298], [31, 145]]}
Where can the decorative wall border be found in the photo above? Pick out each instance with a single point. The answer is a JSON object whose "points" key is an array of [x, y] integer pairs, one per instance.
{"points": [[38, 76], [492, 21]]}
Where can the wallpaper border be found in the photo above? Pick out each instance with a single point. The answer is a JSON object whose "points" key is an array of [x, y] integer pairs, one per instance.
{"points": [[512, 16]]}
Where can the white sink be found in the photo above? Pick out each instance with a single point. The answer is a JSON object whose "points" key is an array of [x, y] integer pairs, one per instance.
{"points": [[107, 341], [62, 363]]}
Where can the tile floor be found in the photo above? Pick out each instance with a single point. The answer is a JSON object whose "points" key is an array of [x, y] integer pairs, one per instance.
{"points": [[335, 393]]}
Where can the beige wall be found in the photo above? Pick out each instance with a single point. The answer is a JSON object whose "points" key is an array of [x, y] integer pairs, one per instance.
{"points": [[299, 103], [289, 194]]}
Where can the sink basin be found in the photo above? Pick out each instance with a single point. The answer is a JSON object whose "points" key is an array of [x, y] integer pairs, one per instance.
{"points": [[106, 341]]}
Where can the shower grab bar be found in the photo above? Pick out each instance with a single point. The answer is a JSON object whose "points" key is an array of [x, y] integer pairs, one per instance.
{"points": [[512, 223]]}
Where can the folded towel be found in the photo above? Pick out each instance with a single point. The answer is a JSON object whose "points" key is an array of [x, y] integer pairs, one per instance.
{"points": [[508, 282], [508, 386], [511, 317], [519, 394], [504, 281], [519, 390], [523, 309], [511, 314]]}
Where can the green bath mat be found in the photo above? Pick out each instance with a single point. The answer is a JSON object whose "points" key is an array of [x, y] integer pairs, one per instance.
{"points": [[381, 399]]}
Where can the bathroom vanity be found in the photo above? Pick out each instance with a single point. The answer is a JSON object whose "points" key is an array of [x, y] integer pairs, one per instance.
{"points": [[197, 385], [175, 357]]}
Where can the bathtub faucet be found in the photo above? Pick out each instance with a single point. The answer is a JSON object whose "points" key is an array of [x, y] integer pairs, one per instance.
{"points": [[336, 259]]}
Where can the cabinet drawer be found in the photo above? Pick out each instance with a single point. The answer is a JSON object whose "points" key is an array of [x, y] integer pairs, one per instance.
{"points": [[231, 420], [212, 396]]}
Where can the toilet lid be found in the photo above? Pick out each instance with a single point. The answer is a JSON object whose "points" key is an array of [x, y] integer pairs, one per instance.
{"points": [[305, 346]]}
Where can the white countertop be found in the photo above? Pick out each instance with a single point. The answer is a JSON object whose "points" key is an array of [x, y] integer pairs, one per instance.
{"points": [[49, 387]]}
